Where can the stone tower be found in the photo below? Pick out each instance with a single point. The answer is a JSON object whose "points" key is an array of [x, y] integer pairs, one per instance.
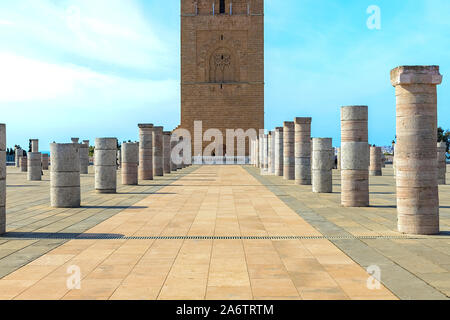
{"points": [[222, 65]]}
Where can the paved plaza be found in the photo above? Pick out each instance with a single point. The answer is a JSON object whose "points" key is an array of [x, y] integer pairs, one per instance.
{"points": [[217, 232]]}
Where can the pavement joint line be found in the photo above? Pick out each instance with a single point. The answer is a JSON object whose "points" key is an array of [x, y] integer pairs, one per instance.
{"points": [[320, 223]]}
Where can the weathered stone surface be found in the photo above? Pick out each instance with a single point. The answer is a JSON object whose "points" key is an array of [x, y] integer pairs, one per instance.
{"points": [[18, 155], [416, 150], [146, 151], [64, 176], [84, 157], [289, 150], [158, 152], [130, 160], [34, 145], [105, 165], [322, 165], [303, 151], [265, 147], [23, 164], [441, 162], [279, 147], [354, 156], [34, 166], [44, 161], [375, 168], [166, 152]]}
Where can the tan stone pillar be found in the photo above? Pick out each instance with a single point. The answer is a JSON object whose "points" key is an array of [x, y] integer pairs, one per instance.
{"points": [[415, 151], [322, 165], [34, 145], [289, 150], [442, 162], [145, 151], [354, 157], [166, 152], [303, 149], [44, 160], [375, 162], [173, 165], [23, 164], [279, 151], [158, 152], [130, 159], [2, 178]]}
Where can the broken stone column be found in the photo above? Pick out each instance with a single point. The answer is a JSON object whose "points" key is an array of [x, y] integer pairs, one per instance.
{"points": [[3, 178], [289, 150], [279, 151], [167, 151], [270, 164], [322, 165], [34, 145], [145, 151], [84, 157], [442, 162], [303, 151], [416, 150], [23, 164], [75, 140], [18, 155], [354, 157], [158, 152], [34, 172], [44, 161], [130, 160], [105, 165], [375, 161], [64, 176]]}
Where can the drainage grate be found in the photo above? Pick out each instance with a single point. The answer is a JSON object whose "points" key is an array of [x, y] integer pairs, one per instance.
{"points": [[93, 236]]}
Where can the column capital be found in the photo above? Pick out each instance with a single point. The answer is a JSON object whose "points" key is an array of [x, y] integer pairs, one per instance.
{"points": [[416, 75]]}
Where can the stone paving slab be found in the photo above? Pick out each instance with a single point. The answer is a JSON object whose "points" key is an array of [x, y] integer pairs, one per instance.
{"points": [[210, 201], [407, 265], [29, 213]]}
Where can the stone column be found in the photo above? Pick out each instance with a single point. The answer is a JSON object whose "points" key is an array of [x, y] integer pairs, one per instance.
{"points": [[272, 153], [64, 176], [158, 152], [84, 157], [146, 151], [173, 165], [322, 165], [167, 151], [23, 164], [105, 165], [265, 148], [44, 161], [261, 151], [416, 150], [279, 151], [3, 178], [289, 150], [18, 155], [180, 165], [75, 140], [383, 160], [34, 145], [354, 157], [338, 158], [270, 164], [375, 161], [34, 166], [130, 159], [303, 151], [442, 162]]}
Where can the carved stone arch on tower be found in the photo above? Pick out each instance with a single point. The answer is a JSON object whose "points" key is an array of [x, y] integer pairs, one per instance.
{"points": [[223, 66]]}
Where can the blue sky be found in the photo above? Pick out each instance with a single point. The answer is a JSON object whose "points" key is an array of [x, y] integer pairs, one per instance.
{"points": [[96, 68]]}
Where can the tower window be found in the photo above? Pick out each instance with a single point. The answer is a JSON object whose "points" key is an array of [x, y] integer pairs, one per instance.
{"points": [[222, 6]]}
